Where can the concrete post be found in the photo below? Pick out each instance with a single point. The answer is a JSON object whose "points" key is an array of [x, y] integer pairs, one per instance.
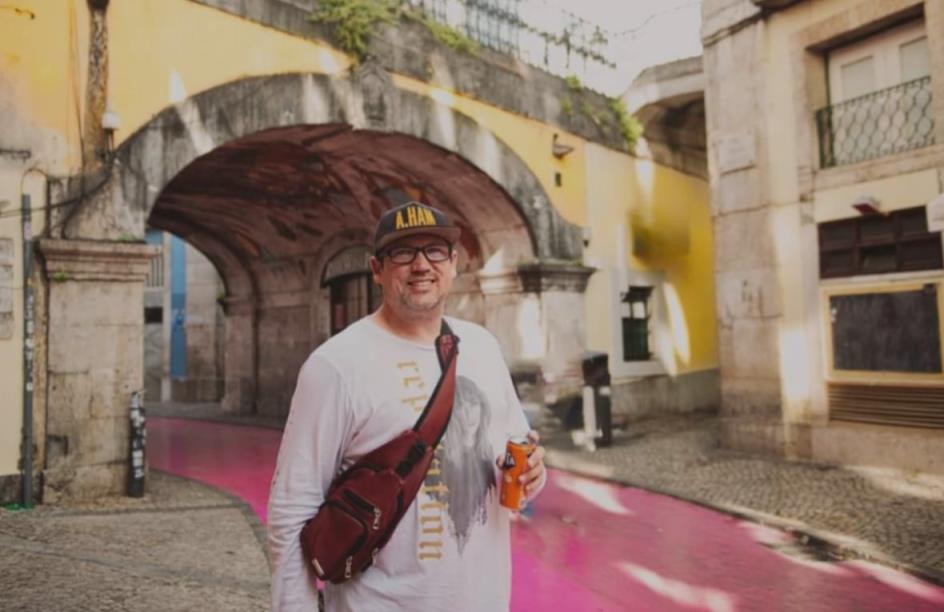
{"points": [[95, 362], [537, 313]]}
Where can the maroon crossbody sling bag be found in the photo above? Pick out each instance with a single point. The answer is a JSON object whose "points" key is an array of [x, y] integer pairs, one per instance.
{"points": [[365, 503]]}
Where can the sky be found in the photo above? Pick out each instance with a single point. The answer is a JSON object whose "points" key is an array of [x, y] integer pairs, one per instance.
{"points": [[642, 33]]}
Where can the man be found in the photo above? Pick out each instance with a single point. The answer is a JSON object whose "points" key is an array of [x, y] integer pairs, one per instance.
{"points": [[364, 386]]}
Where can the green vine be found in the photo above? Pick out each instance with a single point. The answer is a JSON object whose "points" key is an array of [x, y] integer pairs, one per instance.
{"points": [[567, 105], [353, 22], [447, 35], [629, 126], [60, 276]]}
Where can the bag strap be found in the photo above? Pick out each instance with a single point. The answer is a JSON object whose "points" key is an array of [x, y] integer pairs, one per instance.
{"points": [[431, 424]]}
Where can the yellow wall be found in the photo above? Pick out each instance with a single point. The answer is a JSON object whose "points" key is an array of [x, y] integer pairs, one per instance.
{"points": [[531, 141], [36, 116], [632, 201], [162, 51]]}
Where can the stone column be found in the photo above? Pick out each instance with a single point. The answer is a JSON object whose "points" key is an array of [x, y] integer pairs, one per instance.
{"points": [[537, 313], [747, 274], [239, 355], [95, 362]]}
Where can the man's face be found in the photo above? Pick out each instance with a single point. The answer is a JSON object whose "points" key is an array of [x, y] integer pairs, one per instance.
{"points": [[415, 290]]}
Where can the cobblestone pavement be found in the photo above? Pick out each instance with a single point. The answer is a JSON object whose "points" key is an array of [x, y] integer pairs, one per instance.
{"points": [[184, 546], [886, 516]]}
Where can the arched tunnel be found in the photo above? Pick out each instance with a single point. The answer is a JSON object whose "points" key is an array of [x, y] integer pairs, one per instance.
{"points": [[286, 217]]}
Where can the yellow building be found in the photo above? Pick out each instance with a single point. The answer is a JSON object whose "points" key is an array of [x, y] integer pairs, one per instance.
{"points": [[826, 149], [272, 152]]}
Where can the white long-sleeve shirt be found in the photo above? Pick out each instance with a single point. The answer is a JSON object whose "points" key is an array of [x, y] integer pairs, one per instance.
{"points": [[359, 390]]}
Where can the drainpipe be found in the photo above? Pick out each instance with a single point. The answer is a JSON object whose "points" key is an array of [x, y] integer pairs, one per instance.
{"points": [[28, 305]]}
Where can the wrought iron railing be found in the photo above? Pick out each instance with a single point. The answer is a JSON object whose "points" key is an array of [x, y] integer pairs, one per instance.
{"points": [[531, 30], [881, 123]]}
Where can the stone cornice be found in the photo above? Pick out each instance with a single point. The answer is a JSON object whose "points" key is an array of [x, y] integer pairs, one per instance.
{"points": [[536, 278], [86, 260]]}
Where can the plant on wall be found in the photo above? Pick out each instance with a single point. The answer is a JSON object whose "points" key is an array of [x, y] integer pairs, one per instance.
{"points": [[447, 35], [353, 22], [629, 126]]}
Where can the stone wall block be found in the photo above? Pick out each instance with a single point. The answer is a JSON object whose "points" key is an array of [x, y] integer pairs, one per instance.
{"points": [[744, 241], [85, 482], [70, 400], [106, 440], [748, 349], [750, 397], [748, 294]]}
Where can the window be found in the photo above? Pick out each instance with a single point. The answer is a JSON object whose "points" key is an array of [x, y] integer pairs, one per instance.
{"points": [[884, 353], [880, 97], [153, 314], [352, 296], [884, 60], [877, 244], [636, 324]]}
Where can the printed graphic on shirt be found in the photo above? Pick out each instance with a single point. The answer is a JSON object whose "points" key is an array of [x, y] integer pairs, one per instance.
{"points": [[461, 475], [467, 476]]}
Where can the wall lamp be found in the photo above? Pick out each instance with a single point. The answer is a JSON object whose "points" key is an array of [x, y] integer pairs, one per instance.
{"points": [[559, 149]]}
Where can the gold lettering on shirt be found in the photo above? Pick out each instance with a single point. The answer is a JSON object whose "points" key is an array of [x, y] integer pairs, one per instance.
{"points": [[431, 524], [425, 552], [418, 402], [432, 512], [414, 381], [435, 467], [432, 507]]}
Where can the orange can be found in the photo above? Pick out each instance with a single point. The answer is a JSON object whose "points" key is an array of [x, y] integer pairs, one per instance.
{"points": [[515, 464]]}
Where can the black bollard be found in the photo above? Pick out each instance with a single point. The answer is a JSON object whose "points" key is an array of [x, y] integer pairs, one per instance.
{"points": [[596, 376], [136, 467]]}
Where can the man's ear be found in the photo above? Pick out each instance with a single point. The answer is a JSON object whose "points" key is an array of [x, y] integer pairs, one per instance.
{"points": [[375, 268]]}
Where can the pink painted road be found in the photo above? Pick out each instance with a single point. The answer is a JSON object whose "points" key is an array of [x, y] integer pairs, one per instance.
{"points": [[597, 546]]}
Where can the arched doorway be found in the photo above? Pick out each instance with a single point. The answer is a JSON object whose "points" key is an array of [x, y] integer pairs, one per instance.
{"points": [[352, 292]]}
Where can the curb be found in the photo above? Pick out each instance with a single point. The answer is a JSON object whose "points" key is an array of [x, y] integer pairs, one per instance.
{"points": [[834, 544]]}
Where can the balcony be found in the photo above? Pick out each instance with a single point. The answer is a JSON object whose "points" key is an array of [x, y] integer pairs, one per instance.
{"points": [[875, 125]]}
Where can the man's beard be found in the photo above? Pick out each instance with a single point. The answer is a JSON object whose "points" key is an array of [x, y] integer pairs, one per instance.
{"points": [[419, 310]]}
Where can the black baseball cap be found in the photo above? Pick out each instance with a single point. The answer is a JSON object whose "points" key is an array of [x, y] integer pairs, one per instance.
{"points": [[410, 219]]}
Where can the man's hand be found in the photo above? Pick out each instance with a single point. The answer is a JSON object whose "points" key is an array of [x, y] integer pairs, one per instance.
{"points": [[533, 478]]}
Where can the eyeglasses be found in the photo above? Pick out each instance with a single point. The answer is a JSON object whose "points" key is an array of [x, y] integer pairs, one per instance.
{"points": [[435, 253]]}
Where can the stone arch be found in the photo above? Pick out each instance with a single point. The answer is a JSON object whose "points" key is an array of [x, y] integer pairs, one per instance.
{"points": [[336, 130], [181, 134]]}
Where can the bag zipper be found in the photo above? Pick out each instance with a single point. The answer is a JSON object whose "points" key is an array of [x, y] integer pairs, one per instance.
{"points": [[365, 505]]}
